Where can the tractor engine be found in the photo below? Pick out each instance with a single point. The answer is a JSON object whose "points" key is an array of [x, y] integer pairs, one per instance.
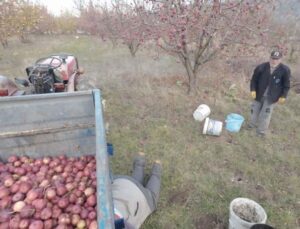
{"points": [[55, 73], [42, 78]]}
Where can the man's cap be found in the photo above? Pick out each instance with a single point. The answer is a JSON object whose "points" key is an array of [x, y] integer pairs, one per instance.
{"points": [[276, 55]]}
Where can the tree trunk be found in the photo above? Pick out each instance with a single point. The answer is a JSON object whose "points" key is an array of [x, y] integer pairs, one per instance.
{"points": [[24, 38], [191, 76], [114, 42], [131, 49], [291, 55], [4, 43]]}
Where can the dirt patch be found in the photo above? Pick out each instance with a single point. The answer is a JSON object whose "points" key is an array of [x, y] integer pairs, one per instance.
{"points": [[238, 175], [295, 80], [168, 81], [179, 197], [262, 193], [84, 83], [209, 221], [296, 87], [247, 213]]}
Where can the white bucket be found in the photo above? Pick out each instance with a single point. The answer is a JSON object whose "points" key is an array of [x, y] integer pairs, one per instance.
{"points": [[201, 112], [249, 213], [212, 127]]}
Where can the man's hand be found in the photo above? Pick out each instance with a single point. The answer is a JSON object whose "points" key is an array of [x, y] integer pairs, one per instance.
{"points": [[281, 100], [253, 94]]}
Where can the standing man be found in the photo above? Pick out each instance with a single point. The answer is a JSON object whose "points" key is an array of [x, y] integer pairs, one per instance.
{"points": [[270, 84]]}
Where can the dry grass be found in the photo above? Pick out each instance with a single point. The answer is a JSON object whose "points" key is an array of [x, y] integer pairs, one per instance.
{"points": [[148, 111]]}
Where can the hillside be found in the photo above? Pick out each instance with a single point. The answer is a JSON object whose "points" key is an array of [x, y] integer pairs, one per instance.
{"points": [[149, 111]]}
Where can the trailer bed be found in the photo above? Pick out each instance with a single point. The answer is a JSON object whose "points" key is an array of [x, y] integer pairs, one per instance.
{"points": [[55, 124]]}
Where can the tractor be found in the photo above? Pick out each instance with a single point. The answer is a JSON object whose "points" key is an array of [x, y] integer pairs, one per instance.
{"points": [[55, 73]]}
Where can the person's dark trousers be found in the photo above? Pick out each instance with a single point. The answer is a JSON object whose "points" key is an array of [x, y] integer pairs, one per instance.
{"points": [[261, 113], [138, 168], [154, 181], [153, 185]]}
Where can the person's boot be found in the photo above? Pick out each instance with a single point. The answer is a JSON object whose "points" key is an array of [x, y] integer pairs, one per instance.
{"points": [[250, 126], [157, 168], [139, 160], [154, 182], [138, 167]]}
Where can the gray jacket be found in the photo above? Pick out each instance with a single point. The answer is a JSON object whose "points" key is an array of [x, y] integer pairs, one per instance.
{"points": [[130, 200]]}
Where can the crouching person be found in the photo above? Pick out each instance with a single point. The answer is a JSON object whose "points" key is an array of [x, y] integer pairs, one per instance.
{"points": [[134, 202]]}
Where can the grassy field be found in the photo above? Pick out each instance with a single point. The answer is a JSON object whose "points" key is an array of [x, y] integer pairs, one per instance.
{"points": [[149, 111]]}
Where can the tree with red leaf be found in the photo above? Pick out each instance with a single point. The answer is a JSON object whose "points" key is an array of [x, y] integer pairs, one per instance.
{"points": [[197, 31], [90, 18], [121, 23]]}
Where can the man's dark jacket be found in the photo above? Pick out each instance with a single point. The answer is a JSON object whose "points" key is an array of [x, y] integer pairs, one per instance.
{"points": [[278, 81]]}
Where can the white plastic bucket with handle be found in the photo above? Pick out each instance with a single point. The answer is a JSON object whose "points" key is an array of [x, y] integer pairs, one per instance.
{"points": [[201, 112], [212, 127], [244, 213]]}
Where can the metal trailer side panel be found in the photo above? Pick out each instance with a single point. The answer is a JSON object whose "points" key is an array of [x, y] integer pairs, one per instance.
{"points": [[56, 124], [104, 197]]}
